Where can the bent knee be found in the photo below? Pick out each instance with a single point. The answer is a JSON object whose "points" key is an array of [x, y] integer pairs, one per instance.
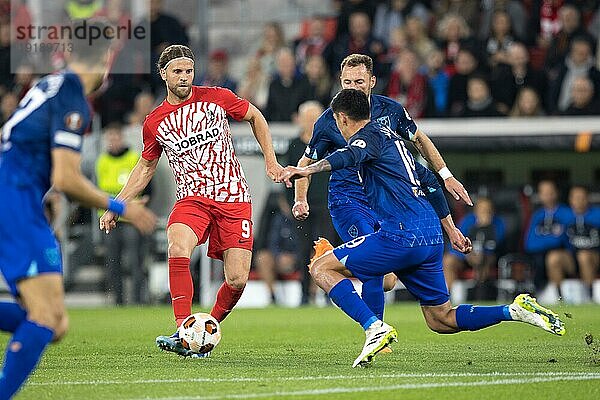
{"points": [[389, 282], [177, 250], [55, 319], [62, 329]]}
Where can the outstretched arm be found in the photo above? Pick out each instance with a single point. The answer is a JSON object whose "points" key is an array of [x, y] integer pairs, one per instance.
{"points": [[301, 209], [260, 129], [67, 178], [137, 181], [289, 173], [428, 150]]}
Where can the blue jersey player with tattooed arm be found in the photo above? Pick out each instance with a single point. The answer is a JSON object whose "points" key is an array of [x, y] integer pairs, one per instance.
{"points": [[409, 242], [40, 147], [350, 212]]}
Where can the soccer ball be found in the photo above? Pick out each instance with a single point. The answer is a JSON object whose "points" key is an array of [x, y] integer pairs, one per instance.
{"points": [[200, 333]]}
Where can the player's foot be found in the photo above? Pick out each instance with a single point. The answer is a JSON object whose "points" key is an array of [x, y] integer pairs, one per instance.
{"points": [[321, 247], [526, 309], [173, 344], [379, 335]]}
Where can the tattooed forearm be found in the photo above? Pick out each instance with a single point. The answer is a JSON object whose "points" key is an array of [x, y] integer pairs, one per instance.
{"points": [[320, 166]]}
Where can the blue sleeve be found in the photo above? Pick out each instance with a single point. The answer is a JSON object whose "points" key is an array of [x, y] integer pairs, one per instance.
{"points": [[319, 144], [406, 127], [362, 147], [433, 191], [69, 118]]}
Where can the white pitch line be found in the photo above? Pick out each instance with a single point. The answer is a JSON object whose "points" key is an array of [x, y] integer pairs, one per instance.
{"points": [[405, 386], [316, 378]]}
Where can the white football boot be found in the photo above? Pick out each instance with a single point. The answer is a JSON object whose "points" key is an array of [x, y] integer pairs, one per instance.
{"points": [[379, 335]]}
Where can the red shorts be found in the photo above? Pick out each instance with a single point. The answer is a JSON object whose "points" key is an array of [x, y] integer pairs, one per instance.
{"points": [[226, 225]]}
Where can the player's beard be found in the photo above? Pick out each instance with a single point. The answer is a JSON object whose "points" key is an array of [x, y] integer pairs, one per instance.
{"points": [[181, 91]]}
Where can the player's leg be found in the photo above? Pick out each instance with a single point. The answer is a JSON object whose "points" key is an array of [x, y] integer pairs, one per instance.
{"points": [[351, 221], [453, 263], [236, 264], [428, 285], [360, 258], [43, 298], [559, 263], [588, 261], [231, 240], [12, 316]]}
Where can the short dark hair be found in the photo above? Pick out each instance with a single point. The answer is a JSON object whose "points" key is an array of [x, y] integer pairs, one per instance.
{"points": [[353, 103], [354, 60], [172, 52], [83, 50]]}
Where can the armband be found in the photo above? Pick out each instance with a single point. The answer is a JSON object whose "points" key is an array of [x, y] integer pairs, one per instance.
{"points": [[445, 173], [116, 206]]}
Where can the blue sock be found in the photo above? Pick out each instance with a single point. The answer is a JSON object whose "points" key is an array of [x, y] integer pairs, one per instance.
{"points": [[372, 295], [22, 355], [472, 318], [12, 316], [346, 298]]}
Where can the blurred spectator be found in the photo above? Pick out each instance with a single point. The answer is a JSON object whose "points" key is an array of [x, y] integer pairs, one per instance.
{"points": [[417, 37], [480, 102], [571, 27], [579, 62], [468, 9], [545, 19], [527, 104], [439, 82], [319, 79], [515, 10], [8, 104], [508, 78], [487, 232], [546, 239], [398, 42], [165, 30], [6, 78], [276, 251], [287, 90], [349, 7], [583, 232], [313, 44], [466, 66], [359, 39], [318, 222], [271, 42], [124, 246], [254, 85], [132, 131], [392, 14], [217, 71], [410, 87], [82, 9], [583, 102], [500, 39], [454, 34]]}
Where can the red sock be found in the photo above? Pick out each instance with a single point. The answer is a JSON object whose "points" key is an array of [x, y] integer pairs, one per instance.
{"points": [[181, 287], [227, 298]]}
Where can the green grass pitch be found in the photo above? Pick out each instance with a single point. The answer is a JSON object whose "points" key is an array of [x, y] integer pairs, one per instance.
{"points": [[307, 353]]}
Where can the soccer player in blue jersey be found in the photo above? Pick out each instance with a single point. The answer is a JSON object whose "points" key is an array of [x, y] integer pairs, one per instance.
{"points": [[350, 213], [409, 242], [40, 147]]}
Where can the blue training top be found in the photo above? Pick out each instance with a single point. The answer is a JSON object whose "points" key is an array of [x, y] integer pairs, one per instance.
{"points": [[391, 183], [345, 184], [53, 113]]}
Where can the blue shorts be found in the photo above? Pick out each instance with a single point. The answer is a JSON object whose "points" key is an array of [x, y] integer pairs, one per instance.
{"points": [[353, 219], [418, 268], [27, 245]]}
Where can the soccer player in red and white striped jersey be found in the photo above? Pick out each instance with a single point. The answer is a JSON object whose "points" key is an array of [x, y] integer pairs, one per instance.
{"points": [[213, 200]]}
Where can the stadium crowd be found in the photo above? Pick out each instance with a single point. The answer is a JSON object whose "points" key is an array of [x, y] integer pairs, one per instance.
{"points": [[439, 58]]}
